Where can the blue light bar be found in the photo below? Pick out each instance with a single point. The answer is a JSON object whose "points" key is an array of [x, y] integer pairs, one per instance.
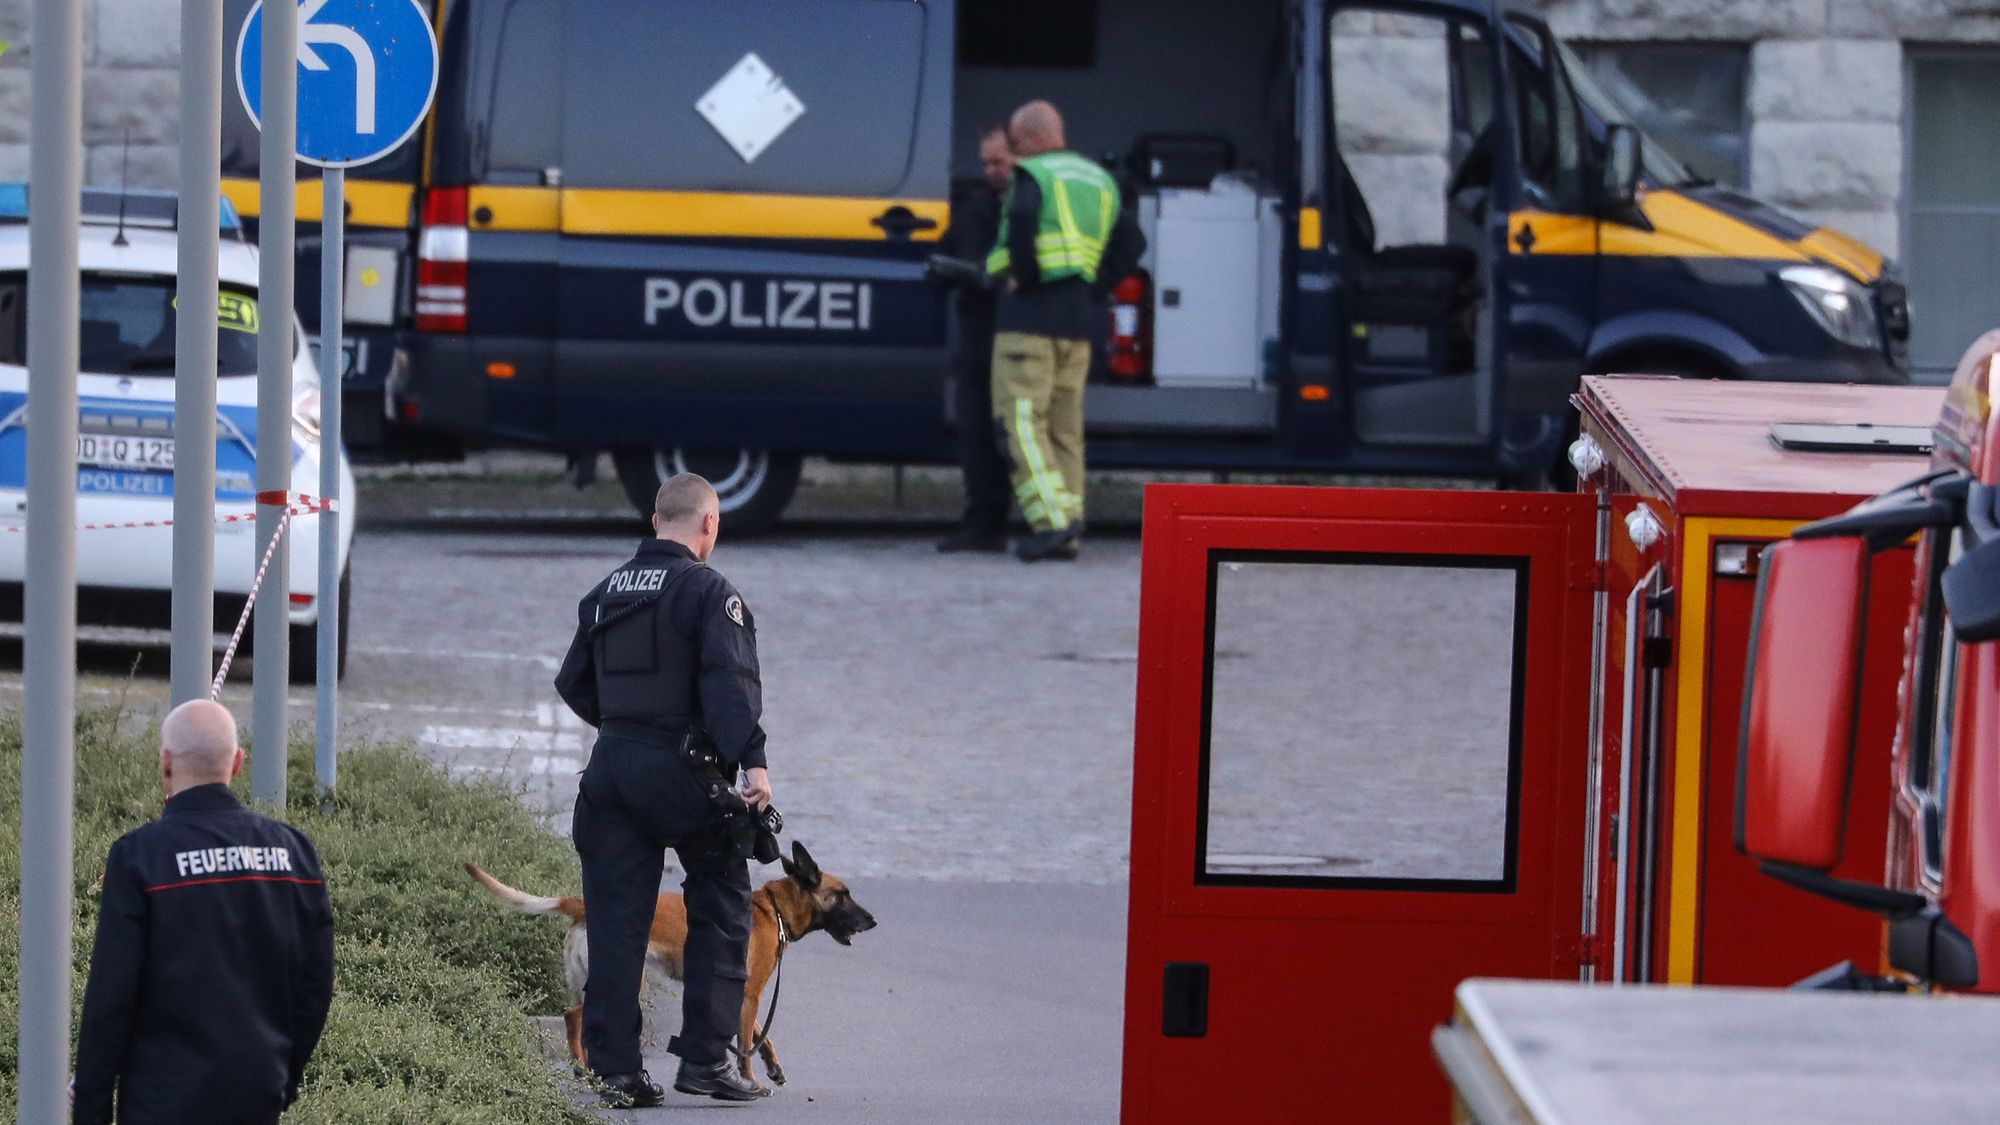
{"points": [[157, 210]]}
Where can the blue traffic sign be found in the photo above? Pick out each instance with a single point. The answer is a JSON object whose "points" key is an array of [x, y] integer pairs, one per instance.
{"points": [[367, 72]]}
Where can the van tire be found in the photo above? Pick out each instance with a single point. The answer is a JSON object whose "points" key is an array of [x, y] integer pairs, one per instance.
{"points": [[305, 642], [754, 485]]}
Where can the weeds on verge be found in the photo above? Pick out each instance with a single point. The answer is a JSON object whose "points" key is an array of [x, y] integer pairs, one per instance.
{"points": [[433, 983]]}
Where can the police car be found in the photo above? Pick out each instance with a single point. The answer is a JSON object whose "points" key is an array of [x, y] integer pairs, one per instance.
{"points": [[125, 434]]}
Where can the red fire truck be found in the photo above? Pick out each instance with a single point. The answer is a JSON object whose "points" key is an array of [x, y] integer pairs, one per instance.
{"points": [[1388, 740], [1810, 768]]}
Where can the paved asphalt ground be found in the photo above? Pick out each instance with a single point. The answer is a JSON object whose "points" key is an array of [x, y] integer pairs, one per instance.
{"points": [[952, 735], [971, 1002]]}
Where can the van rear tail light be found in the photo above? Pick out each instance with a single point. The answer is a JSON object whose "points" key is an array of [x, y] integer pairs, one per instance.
{"points": [[443, 246], [1132, 329]]}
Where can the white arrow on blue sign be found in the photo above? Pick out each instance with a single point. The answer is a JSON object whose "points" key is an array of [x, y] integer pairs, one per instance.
{"points": [[367, 72]]}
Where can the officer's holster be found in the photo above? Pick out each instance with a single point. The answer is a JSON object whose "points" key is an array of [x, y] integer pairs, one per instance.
{"points": [[740, 830]]}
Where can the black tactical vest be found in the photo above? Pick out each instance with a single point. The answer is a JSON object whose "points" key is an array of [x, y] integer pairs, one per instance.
{"points": [[646, 666]]}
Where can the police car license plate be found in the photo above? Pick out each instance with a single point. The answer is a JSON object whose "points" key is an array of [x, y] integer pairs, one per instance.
{"points": [[110, 451]]}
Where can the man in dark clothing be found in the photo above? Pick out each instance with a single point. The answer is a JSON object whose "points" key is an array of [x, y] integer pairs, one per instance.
{"points": [[975, 226], [1064, 235], [213, 968], [665, 660]]}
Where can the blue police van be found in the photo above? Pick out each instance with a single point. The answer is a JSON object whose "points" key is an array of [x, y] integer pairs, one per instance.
{"points": [[1384, 236]]}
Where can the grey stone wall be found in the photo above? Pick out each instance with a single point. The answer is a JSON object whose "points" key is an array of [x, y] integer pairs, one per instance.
{"points": [[1392, 114], [1826, 88], [131, 88]]}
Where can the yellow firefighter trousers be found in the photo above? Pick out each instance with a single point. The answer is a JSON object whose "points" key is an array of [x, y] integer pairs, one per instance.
{"points": [[1038, 403]]}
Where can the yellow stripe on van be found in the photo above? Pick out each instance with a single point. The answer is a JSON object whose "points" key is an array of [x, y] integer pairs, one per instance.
{"points": [[371, 203], [1554, 233], [1685, 228], [1682, 228], [1859, 259], [706, 214], [514, 208]]}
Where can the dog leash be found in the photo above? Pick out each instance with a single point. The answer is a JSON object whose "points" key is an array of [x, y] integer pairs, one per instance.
{"points": [[777, 983]]}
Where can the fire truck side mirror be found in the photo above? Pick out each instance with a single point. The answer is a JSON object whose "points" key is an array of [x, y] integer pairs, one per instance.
{"points": [[1972, 585], [1801, 701]]}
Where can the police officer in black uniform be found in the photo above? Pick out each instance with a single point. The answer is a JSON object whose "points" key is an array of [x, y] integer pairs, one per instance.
{"points": [[664, 664], [975, 227], [213, 968]]}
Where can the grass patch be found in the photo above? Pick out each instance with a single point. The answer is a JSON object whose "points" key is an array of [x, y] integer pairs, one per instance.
{"points": [[433, 982]]}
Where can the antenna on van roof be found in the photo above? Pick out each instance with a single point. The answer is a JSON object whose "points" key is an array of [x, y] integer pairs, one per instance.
{"points": [[124, 164]]}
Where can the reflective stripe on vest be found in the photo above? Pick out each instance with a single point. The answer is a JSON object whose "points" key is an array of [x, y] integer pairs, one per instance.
{"points": [[1079, 206]]}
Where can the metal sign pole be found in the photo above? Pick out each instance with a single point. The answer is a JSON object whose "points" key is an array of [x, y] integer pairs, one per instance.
{"points": [[278, 201], [196, 294], [48, 679], [332, 116], [332, 279]]}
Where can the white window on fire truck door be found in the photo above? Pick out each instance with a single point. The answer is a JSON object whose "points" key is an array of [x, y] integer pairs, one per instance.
{"points": [[1361, 720]]}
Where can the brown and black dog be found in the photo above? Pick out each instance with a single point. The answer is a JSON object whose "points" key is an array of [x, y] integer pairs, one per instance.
{"points": [[807, 899]]}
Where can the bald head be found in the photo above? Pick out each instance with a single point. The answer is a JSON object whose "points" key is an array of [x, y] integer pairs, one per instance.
{"points": [[1036, 128], [198, 744], [686, 510]]}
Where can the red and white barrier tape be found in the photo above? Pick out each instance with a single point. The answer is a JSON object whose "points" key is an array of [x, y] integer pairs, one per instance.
{"points": [[296, 504]]}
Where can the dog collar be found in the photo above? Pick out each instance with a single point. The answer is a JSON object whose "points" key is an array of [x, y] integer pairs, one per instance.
{"points": [[784, 935]]}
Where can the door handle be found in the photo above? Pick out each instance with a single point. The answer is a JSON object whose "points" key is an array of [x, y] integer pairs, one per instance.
{"points": [[1184, 1000], [899, 223]]}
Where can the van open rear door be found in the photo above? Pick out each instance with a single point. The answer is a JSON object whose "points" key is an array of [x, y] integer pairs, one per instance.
{"points": [[1359, 779]]}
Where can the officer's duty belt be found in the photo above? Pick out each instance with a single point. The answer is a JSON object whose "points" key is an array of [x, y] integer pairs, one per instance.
{"points": [[634, 730]]}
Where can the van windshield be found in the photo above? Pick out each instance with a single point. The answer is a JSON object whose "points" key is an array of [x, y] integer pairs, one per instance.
{"points": [[127, 325], [1661, 166]]}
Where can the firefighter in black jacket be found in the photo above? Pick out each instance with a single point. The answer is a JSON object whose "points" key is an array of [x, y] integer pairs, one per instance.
{"points": [[213, 968], [665, 646]]}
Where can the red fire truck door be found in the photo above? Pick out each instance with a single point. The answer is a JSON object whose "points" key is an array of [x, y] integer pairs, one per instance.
{"points": [[1360, 778]]}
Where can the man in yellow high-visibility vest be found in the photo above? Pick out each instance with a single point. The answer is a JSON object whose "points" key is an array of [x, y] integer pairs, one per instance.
{"points": [[1063, 234]]}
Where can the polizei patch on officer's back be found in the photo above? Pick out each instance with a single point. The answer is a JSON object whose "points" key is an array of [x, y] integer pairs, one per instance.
{"points": [[789, 304], [635, 581]]}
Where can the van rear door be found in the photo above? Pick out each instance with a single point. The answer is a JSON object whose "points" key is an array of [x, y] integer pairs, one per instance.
{"points": [[748, 190]]}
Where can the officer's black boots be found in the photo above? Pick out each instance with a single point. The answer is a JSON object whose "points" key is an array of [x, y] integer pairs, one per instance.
{"points": [[631, 1091], [974, 537], [720, 1080]]}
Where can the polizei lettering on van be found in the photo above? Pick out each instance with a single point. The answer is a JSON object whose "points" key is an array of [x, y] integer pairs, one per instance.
{"points": [[786, 305]]}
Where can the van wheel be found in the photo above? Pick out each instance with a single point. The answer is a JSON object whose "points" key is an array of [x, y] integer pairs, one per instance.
{"points": [[305, 643], [754, 485]]}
